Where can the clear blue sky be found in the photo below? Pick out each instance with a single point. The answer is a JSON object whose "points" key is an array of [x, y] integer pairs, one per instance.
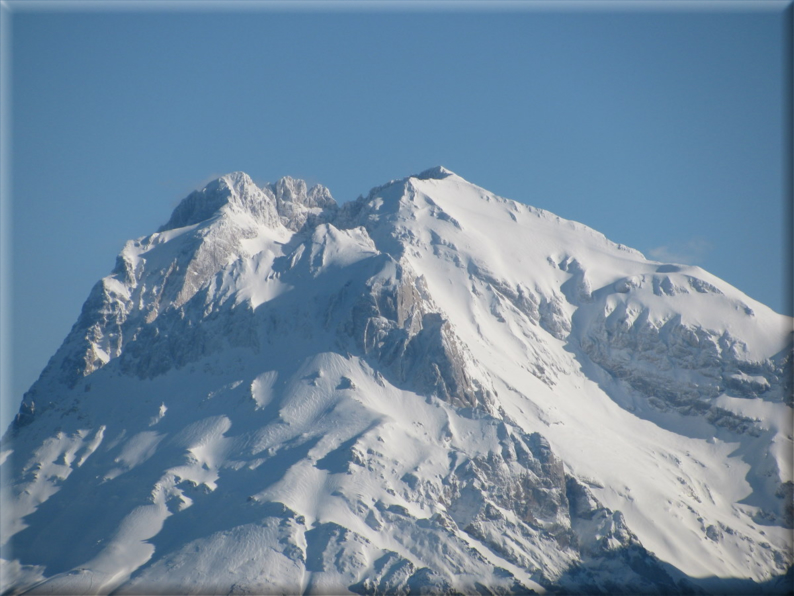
{"points": [[663, 129]]}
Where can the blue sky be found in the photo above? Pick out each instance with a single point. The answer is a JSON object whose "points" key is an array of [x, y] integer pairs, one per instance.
{"points": [[662, 128]]}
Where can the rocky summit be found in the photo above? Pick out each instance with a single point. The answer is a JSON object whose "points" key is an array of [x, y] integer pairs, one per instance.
{"points": [[428, 390]]}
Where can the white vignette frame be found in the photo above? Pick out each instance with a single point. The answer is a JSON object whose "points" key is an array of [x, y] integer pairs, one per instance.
{"points": [[9, 7]]}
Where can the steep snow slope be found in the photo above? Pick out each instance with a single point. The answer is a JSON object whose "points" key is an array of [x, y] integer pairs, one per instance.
{"points": [[429, 389], [689, 370]]}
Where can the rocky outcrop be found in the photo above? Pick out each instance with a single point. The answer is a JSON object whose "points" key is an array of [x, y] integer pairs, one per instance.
{"points": [[683, 367], [395, 323], [296, 203]]}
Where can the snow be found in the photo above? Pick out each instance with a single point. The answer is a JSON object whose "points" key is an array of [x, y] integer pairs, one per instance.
{"points": [[261, 404]]}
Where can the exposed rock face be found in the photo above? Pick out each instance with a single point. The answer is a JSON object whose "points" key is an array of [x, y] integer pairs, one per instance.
{"points": [[428, 390], [395, 322], [684, 367], [296, 203]]}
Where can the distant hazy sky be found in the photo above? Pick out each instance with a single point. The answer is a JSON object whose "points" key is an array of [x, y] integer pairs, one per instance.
{"points": [[663, 128]]}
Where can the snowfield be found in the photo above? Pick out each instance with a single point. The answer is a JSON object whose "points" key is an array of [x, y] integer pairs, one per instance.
{"points": [[429, 390]]}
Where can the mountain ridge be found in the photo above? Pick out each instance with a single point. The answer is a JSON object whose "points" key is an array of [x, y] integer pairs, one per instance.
{"points": [[530, 370]]}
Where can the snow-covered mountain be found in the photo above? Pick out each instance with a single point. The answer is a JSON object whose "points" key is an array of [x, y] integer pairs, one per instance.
{"points": [[431, 389]]}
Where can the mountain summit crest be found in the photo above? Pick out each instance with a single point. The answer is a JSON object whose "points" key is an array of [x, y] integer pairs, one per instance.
{"points": [[288, 199], [435, 173]]}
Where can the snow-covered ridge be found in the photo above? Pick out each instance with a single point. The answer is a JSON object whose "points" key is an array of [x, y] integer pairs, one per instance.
{"points": [[431, 388], [288, 201]]}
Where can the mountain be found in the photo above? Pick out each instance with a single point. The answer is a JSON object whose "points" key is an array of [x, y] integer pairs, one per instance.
{"points": [[431, 389]]}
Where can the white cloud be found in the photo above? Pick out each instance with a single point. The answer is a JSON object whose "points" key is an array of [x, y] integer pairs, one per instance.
{"points": [[688, 252]]}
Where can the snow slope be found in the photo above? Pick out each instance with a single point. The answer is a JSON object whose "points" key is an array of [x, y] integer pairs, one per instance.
{"points": [[429, 389]]}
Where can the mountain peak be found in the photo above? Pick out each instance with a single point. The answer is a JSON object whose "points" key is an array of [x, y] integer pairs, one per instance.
{"points": [[288, 200], [201, 205], [295, 190], [236, 179], [435, 173]]}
